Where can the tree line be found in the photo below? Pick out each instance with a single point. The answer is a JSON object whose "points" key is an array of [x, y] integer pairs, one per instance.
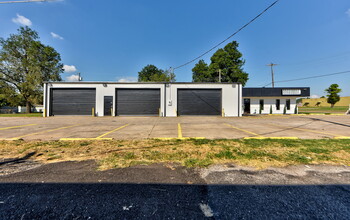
{"points": [[226, 66]]}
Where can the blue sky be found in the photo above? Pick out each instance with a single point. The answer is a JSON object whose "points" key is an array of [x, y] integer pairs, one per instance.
{"points": [[112, 40]]}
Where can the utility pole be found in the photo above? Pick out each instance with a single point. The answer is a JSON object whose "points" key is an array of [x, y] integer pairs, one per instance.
{"points": [[272, 73], [172, 74], [219, 75], [79, 77]]}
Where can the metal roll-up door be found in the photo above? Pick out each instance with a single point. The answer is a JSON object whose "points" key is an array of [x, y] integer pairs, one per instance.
{"points": [[199, 102], [72, 101], [138, 102]]}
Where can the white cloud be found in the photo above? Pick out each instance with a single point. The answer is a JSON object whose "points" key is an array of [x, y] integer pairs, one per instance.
{"points": [[56, 36], [314, 96], [21, 20], [127, 79], [69, 68], [72, 78], [348, 12]]}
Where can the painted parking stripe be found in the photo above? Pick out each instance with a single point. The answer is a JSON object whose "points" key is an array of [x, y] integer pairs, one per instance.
{"points": [[19, 126], [342, 137], [101, 136], [274, 138], [240, 129], [84, 139], [179, 131], [179, 135], [308, 130], [42, 132], [183, 138]]}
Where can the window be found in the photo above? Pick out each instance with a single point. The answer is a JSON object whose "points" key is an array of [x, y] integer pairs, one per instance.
{"points": [[261, 104], [288, 104], [278, 102]]}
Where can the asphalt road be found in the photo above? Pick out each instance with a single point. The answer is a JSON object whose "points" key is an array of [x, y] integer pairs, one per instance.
{"points": [[160, 201], [77, 191]]}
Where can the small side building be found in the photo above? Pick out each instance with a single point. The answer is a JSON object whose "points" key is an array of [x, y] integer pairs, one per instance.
{"points": [[281, 100]]}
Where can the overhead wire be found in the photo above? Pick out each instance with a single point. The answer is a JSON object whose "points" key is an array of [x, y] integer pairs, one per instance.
{"points": [[239, 30], [310, 77], [24, 1]]}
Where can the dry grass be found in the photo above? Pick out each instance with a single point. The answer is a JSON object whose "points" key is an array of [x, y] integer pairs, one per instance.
{"points": [[192, 153]]}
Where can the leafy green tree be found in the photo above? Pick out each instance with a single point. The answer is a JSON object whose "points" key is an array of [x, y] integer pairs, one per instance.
{"points": [[200, 73], [228, 61], [25, 63], [3, 101], [332, 96], [151, 73]]}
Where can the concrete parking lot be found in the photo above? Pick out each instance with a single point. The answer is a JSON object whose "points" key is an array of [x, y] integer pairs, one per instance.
{"points": [[260, 127]]}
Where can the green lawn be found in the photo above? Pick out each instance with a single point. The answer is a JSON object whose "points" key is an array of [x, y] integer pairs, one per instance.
{"points": [[335, 110], [22, 115]]}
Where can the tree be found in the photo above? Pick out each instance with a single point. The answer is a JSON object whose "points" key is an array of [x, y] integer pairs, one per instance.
{"points": [[228, 61], [200, 73], [332, 96], [25, 63], [151, 73], [3, 101]]}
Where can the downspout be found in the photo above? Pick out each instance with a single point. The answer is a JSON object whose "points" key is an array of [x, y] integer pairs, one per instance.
{"points": [[165, 99], [239, 101], [45, 101]]}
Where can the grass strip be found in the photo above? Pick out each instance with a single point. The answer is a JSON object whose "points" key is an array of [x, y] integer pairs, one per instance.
{"points": [[22, 115], [189, 152]]}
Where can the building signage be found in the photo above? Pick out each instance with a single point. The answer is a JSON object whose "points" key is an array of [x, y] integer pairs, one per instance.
{"points": [[291, 91]]}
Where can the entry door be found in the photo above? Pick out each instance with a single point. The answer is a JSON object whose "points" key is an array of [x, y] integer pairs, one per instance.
{"points": [[108, 105], [247, 106]]}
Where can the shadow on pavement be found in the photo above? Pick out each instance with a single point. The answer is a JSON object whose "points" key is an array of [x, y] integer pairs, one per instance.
{"points": [[18, 160], [331, 122], [163, 201]]}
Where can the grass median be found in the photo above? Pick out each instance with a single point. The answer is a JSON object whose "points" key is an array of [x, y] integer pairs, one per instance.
{"points": [[22, 115], [324, 110], [191, 153]]}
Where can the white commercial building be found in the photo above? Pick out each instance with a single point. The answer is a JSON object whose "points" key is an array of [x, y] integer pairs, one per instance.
{"points": [[146, 99], [167, 99]]}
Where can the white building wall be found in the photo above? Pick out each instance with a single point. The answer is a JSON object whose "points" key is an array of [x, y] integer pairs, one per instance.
{"points": [[271, 102]]}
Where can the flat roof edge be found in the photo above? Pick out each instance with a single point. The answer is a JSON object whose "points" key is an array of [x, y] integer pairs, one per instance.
{"points": [[97, 82]]}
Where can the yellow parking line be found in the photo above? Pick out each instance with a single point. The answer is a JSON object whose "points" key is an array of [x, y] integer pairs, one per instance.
{"points": [[289, 138], [41, 132], [179, 130], [99, 137], [183, 138], [19, 126], [341, 137], [308, 130], [84, 139], [240, 129]]}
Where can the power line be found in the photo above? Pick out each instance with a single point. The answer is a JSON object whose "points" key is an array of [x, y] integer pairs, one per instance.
{"points": [[27, 1], [310, 77], [240, 29]]}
